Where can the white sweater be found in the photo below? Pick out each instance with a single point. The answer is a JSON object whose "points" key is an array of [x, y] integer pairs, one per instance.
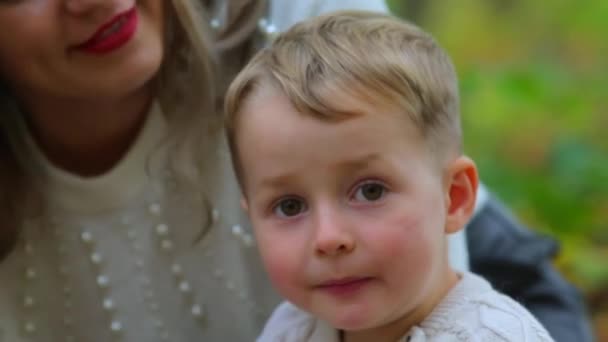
{"points": [[471, 311], [116, 259]]}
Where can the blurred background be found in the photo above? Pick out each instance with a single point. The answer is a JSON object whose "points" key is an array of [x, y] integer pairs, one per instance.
{"points": [[534, 88]]}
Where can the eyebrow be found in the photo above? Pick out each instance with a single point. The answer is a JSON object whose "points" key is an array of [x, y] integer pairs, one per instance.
{"points": [[360, 162], [357, 163], [277, 181]]}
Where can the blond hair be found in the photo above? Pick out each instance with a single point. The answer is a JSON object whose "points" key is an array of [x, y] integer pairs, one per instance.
{"points": [[376, 57], [188, 90]]}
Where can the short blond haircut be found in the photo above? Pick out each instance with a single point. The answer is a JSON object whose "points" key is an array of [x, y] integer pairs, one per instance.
{"points": [[374, 57]]}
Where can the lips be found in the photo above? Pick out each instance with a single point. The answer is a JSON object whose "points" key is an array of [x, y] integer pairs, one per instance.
{"points": [[344, 286], [113, 34], [341, 282]]}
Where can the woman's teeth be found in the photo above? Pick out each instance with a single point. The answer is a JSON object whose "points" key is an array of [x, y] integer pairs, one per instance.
{"points": [[114, 28]]}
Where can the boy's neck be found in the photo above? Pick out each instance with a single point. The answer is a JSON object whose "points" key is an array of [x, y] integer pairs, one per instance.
{"points": [[397, 329]]}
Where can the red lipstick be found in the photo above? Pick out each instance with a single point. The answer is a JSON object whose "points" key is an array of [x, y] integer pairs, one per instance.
{"points": [[113, 34]]}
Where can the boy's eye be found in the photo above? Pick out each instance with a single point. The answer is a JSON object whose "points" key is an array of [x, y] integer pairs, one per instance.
{"points": [[289, 207], [370, 192]]}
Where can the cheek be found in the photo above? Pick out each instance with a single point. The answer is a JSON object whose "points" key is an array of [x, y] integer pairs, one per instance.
{"points": [[278, 266], [154, 12], [408, 259], [20, 55], [281, 277], [408, 243], [32, 58], [282, 260], [33, 27]]}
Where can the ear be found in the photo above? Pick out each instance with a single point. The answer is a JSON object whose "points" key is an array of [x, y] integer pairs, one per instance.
{"points": [[244, 205], [461, 192]]}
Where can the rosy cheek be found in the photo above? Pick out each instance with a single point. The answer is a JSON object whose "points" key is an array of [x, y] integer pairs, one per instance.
{"points": [[279, 271], [405, 243], [281, 265]]}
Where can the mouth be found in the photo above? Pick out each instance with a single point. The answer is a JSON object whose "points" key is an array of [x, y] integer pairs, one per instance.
{"points": [[113, 34], [344, 286]]}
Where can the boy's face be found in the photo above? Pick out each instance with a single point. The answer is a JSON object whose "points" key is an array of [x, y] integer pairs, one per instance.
{"points": [[350, 215]]}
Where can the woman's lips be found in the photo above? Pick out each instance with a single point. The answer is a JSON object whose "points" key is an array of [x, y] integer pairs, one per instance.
{"points": [[113, 34]]}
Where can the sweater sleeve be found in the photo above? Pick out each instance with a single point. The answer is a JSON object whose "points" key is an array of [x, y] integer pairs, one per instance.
{"points": [[518, 262]]}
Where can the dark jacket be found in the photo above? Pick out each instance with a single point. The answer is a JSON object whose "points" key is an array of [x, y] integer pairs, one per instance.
{"points": [[518, 262]]}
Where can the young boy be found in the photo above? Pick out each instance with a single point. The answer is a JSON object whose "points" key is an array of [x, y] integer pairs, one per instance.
{"points": [[346, 141]]}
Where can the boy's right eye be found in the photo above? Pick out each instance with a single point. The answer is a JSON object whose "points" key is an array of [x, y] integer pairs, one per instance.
{"points": [[289, 207]]}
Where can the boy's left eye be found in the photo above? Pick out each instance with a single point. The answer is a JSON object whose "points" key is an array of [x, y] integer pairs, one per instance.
{"points": [[370, 192]]}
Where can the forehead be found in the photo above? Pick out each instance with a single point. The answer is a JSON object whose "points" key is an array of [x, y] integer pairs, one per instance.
{"points": [[270, 128], [267, 103]]}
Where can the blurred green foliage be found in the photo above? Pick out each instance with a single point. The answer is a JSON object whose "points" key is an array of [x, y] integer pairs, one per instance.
{"points": [[534, 88]]}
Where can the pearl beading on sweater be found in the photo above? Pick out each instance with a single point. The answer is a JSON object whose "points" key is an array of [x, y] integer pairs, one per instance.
{"points": [[165, 243]]}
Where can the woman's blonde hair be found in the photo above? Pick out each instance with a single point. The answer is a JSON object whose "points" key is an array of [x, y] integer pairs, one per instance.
{"points": [[375, 57], [190, 88]]}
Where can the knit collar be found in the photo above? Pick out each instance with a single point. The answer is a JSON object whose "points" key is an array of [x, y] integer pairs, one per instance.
{"points": [[87, 195], [468, 284]]}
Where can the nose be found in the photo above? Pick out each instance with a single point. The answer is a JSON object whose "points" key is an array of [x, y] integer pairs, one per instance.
{"points": [[334, 235], [80, 7]]}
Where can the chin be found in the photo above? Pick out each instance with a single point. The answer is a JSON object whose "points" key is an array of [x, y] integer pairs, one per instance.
{"points": [[352, 320], [140, 77], [126, 81]]}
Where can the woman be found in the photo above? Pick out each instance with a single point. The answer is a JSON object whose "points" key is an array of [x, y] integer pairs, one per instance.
{"points": [[108, 124], [110, 146]]}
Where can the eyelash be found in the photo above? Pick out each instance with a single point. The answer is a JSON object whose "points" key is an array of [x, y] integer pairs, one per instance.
{"points": [[276, 206], [362, 184]]}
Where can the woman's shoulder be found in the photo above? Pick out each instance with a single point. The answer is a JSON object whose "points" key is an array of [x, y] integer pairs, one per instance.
{"points": [[285, 13]]}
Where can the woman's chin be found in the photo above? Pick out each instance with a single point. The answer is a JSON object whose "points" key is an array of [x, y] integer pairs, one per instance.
{"points": [[121, 83]]}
